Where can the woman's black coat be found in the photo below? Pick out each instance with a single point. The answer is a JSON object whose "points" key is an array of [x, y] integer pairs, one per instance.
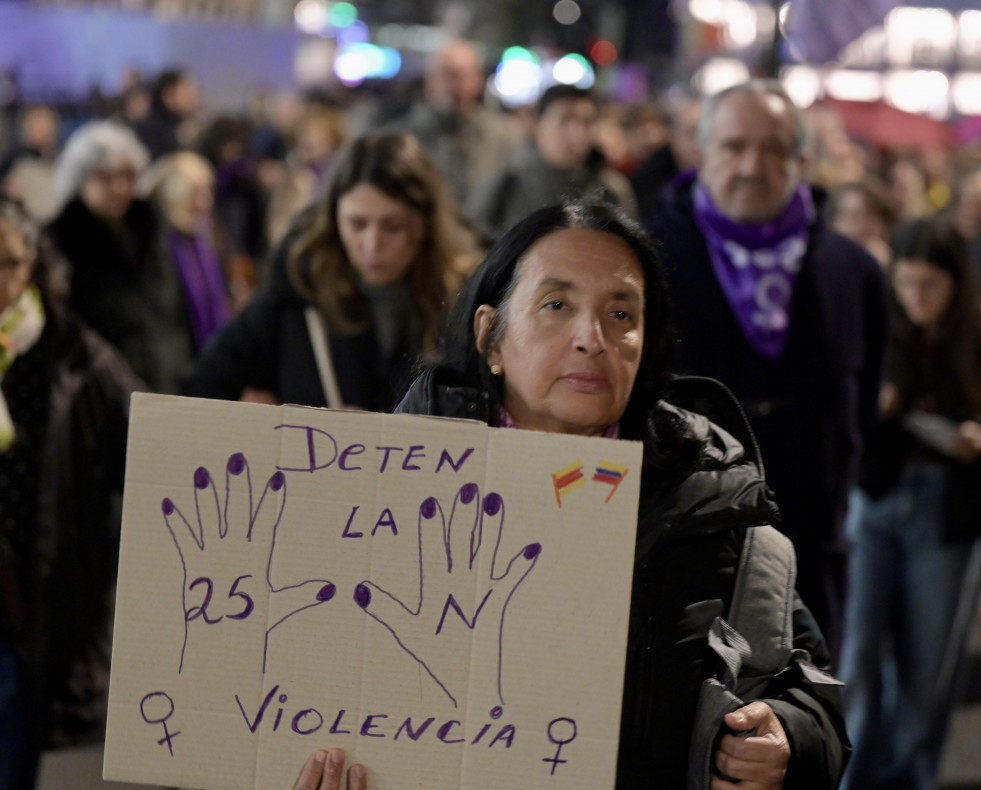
{"points": [[689, 539]]}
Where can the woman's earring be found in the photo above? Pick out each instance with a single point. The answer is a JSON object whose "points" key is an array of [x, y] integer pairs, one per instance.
{"points": [[497, 370]]}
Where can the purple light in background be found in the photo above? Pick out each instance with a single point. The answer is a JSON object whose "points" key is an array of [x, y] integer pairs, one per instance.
{"points": [[355, 33]]}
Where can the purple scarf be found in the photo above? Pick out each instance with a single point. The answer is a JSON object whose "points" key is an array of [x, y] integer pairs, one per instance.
{"points": [[757, 265], [202, 282]]}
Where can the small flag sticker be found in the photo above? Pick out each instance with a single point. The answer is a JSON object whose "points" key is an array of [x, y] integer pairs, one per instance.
{"points": [[567, 479], [611, 474]]}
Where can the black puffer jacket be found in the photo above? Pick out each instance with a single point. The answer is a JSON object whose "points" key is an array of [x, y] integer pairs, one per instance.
{"points": [[689, 540]]}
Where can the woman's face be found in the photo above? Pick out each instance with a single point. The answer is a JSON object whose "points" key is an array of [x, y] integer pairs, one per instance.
{"points": [[381, 235], [108, 190], [16, 263], [193, 211], [855, 219], [924, 291], [574, 333]]}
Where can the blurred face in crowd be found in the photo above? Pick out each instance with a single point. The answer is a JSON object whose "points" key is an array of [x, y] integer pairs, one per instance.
{"points": [[923, 290], [967, 213], [908, 185], [573, 333], [192, 197], [16, 263], [749, 163], [183, 97], [564, 132], [856, 219], [315, 140], [684, 134], [455, 79], [108, 190], [39, 129], [381, 235]]}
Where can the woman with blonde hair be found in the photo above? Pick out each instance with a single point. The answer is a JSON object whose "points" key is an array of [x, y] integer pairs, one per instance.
{"points": [[357, 289]]}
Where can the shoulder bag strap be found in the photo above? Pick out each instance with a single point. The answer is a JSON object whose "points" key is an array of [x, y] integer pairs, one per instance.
{"points": [[321, 353]]}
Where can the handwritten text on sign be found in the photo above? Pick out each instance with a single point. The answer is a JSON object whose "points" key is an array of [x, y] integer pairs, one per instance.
{"points": [[414, 590]]}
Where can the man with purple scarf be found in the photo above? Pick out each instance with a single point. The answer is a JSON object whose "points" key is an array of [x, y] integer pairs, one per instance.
{"points": [[788, 314]]}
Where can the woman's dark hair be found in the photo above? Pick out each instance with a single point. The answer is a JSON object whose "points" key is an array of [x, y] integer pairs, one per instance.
{"points": [[957, 348], [494, 281]]}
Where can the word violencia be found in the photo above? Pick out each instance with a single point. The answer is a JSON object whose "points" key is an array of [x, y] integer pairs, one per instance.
{"points": [[270, 716]]}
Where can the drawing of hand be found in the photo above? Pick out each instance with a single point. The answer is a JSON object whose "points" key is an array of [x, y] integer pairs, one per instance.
{"points": [[456, 597], [226, 551]]}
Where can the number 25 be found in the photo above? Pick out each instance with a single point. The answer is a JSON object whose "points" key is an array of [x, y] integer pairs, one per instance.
{"points": [[202, 611]]}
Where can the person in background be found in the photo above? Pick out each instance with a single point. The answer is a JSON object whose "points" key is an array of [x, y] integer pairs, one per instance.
{"points": [[647, 127], [174, 102], [121, 282], [182, 187], [908, 183], [863, 211], [610, 137], [911, 520], [64, 401], [676, 155], [965, 215], [356, 292], [240, 200], [785, 312], [467, 140], [559, 162], [319, 133], [26, 173]]}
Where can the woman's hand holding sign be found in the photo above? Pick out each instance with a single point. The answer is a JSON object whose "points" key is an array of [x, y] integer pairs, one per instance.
{"points": [[235, 532], [324, 770]]}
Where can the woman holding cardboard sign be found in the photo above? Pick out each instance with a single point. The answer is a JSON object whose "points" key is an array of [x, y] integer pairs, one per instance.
{"points": [[357, 289], [565, 328]]}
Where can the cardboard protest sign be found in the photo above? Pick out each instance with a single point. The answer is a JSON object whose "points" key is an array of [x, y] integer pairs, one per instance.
{"points": [[446, 601]]}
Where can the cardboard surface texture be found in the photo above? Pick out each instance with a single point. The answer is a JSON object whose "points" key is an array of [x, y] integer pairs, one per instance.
{"points": [[446, 601]]}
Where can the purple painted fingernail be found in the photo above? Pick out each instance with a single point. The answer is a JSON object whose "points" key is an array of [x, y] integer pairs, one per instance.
{"points": [[201, 478], [467, 493], [492, 504], [428, 507], [326, 592], [532, 550], [362, 596], [277, 481], [236, 464], [167, 506]]}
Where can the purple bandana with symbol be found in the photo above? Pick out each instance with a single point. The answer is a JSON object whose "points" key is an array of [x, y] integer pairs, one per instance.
{"points": [[757, 264]]}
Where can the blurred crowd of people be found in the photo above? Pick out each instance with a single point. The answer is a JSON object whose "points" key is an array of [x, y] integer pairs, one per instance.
{"points": [[307, 250]]}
